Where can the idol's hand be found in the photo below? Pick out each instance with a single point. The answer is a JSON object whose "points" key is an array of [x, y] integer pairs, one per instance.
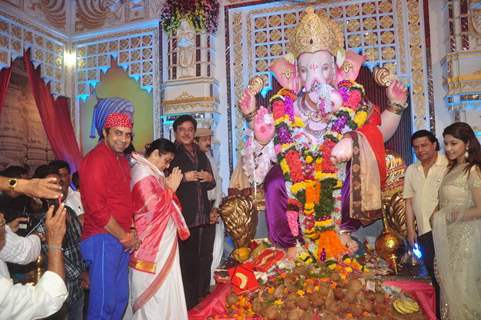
{"points": [[397, 93], [247, 103], [352, 245], [342, 151], [264, 128]]}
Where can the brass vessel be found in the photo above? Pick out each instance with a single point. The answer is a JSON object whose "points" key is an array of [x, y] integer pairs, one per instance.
{"points": [[389, 243]]}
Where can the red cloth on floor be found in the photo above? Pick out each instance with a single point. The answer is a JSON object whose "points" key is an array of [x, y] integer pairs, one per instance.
{"points": [[421, 291]]}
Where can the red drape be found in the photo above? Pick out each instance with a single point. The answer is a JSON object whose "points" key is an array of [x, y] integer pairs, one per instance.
{"points": [[55, 118], [4, 80]]}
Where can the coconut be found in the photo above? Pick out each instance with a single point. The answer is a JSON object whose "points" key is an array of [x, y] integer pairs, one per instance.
{"points": [[308, 315], [356, 310], [323, 290], [290, 303], [355, 286], [335, 276], [295, 314], [270, 312], [379, 309], [257, 306], [317, 299], [350, 297], [279, 292], [367, 305], [379, 298], [231, 299], [339, 293], [303, 302]]}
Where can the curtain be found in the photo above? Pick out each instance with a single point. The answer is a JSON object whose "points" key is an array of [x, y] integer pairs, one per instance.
{"points": [[4, 80], [377, 95], [55, 116]]}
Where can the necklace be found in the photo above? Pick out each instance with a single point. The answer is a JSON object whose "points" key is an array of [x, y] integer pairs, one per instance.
{"points": [[316, 121]]}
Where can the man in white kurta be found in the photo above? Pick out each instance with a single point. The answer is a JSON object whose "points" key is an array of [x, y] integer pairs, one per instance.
{"points": [[26, 301], [17, 249], [203, 137]]}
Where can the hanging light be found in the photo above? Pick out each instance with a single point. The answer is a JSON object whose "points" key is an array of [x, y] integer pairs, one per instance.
{"points": [[69, 58]]}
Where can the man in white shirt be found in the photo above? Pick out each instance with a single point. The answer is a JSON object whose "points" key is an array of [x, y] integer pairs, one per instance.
{"points": [[203, 137], [27, 301], [421, 185], [73, 197]]}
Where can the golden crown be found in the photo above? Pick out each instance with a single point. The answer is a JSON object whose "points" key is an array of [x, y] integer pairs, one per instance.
{"points": [[315, 33]]}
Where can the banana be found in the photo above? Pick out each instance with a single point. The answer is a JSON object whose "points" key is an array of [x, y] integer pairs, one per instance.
{"points": [[405, 306], [396, 304], [410, 304]]}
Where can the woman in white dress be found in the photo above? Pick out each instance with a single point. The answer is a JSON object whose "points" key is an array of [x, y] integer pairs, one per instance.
{"points": [[155, 279], [457, 226]]}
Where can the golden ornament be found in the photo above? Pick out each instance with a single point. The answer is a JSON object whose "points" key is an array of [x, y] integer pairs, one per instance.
{"points": [[240, 218], [395, 168], [383, 76], [316, 33], [241, 254], [255, 85]]}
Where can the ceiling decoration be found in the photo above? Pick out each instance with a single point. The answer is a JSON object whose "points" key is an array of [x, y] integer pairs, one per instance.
{"points": [[54, 12], [95, 14], [51, 12], [87, 15]]}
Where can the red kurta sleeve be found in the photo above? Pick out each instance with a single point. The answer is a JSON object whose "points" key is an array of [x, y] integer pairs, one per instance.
{"points": [[94, 183]]}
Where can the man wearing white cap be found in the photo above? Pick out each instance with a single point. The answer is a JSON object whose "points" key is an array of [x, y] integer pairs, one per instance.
{"points": [[203, 137]]}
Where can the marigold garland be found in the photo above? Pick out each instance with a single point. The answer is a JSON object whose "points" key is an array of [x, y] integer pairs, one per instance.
{"points": [[311, 177]]}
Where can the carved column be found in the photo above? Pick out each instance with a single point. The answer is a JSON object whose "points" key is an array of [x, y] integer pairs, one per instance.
{"points": [[191, 87], [462, 66]]}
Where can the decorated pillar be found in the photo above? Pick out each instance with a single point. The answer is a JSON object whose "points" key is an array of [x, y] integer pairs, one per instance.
{"points": [[190, 86], [462, 64]]}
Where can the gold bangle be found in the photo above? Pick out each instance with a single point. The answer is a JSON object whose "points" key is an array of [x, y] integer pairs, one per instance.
{"points": [[396, 108]]}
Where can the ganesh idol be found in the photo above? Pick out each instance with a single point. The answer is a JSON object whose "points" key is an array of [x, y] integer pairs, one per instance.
{"points": [[318, 145]]}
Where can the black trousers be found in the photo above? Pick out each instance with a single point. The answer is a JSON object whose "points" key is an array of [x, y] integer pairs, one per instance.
{"points": [[195, 263], [426, 245]]}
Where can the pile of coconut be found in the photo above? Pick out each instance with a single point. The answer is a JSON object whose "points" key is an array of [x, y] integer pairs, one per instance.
{"points": [[313, 292]]}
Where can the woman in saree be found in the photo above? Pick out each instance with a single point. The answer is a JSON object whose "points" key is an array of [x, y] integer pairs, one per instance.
{"points": [[156, 282], [457, 226]]}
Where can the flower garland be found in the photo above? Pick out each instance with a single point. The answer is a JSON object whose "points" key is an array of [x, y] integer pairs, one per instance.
{"points": [[202, 14], [311, 177]]}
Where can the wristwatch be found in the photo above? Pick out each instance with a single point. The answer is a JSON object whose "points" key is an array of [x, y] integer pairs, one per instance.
{"points": [[12, 183]]}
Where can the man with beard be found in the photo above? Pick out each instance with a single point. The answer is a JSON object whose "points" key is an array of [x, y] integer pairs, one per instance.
{"points": [[195, 252]]}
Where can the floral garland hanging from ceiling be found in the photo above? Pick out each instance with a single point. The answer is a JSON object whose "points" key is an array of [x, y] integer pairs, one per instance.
{"points": [[202, 14]]}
